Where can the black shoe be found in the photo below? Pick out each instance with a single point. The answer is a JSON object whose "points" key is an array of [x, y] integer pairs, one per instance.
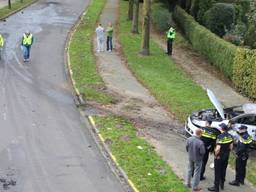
{"points": [[241, 182], [213, 189], [202, 178], [234, 183], [222, 186]]}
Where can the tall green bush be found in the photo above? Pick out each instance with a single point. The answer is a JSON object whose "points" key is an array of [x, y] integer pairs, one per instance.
{"points": [[244, 74], [219, 52], [220, 18], [161, 17]]}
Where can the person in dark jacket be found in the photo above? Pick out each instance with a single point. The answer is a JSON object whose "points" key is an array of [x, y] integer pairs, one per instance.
{"points": [[209, 137], [196, 150], [224, 145], [242, 155]]}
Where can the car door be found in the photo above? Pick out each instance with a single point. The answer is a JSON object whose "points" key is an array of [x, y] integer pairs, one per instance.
{"points": [[248, 120]]}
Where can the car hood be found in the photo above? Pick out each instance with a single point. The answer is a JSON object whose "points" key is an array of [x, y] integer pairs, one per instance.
{"points": [[216, 103]]}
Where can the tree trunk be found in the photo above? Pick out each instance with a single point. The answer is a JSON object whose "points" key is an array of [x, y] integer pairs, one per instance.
{"points": [[135, 19], [9, 4], [130, 11], [146, 27]]}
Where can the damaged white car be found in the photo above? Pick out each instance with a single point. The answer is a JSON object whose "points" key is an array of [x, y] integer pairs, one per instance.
{"points": [[235, 116]]}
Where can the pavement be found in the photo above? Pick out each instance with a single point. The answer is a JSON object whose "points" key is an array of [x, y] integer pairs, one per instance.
{"points": [[160, 126], [45, 145]]}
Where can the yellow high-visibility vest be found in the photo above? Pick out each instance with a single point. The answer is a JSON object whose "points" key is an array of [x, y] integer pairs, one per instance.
{"points": [[1, 41], [27, 40]]}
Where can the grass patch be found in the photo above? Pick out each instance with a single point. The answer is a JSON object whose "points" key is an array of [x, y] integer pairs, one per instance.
{"points": [[83, 62], [5, 11], [160, 74], [143, 166]]}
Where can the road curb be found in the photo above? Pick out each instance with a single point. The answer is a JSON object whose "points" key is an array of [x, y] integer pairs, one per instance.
{"points": [[18, 10], [113, 158]]}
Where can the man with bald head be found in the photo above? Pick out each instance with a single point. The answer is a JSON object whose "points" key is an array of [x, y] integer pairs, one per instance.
{"points": [[196, 150]]}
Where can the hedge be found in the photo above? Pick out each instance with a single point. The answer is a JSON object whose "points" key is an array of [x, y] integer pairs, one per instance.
{"points": [[219, 52], [244, 72], [238, 64]]}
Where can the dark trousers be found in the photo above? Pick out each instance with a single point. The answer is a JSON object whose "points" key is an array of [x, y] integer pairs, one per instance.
{"points": [[26, 53], [109, 43], [220, 167], [169, 46], [205, 160], [240, 169]]}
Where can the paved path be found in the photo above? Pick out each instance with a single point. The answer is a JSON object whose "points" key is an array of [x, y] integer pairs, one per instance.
{"points": [[120, 80], [45, 146]]}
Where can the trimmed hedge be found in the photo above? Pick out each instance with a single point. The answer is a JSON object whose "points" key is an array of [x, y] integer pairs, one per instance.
{"points": [[244, 73], [238, 64], [219, 52], [161, 17]]}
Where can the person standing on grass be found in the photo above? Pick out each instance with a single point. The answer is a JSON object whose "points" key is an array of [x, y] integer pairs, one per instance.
{"points": [[100, 33], [196, 150], [110, 31], [242, 155], [1, 45], [26, 43], [171, 34], [224, 145]]}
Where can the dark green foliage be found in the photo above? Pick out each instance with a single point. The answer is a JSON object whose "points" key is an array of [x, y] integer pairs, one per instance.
{"points": [[250, 36], [161, 17], [204, 5], [220, 18], [218, 51]]}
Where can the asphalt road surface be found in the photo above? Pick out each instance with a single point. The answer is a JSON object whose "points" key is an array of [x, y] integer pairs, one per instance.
{"points": [[44, 145]]}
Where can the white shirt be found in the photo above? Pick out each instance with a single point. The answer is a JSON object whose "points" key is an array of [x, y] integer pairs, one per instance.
{"points": [[100, 32]]}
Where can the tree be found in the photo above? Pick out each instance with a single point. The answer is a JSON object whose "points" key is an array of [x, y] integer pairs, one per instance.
{"points": [[9, 4], [130, 11], [146, 27], [135, 19]]}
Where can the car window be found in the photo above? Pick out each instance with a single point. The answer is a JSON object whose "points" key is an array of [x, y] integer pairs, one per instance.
{"points": [[249, 120]]}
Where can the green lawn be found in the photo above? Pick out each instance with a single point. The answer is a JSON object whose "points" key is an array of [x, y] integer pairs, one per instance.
{"points": [[83, 62], [5, 11], [167, 82], [143, 165]]}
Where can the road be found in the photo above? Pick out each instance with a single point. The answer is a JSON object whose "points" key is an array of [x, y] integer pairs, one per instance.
{"points": [[44, 144]]}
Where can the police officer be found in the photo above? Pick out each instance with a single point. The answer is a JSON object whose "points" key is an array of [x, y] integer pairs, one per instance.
{"points": [[209, 137], [170, 37], [224, 144], [27, 41], [1, 45], [242, 155]]}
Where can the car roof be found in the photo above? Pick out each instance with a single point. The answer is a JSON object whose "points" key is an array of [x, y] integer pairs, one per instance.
{"points": [[249, 108]]}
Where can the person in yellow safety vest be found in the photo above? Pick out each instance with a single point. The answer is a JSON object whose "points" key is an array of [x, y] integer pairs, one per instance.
{"points": [[242, 155], [170, 37], [1, 45], [27, 41], [209, 137]]}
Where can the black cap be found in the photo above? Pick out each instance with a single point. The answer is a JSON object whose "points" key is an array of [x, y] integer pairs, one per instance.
{"points": [[223, 126], [242, 127]]}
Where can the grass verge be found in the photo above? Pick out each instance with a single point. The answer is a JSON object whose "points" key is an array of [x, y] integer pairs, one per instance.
{"points": [[5, 11], [167, 82], [138, 159], [83, 62]]}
